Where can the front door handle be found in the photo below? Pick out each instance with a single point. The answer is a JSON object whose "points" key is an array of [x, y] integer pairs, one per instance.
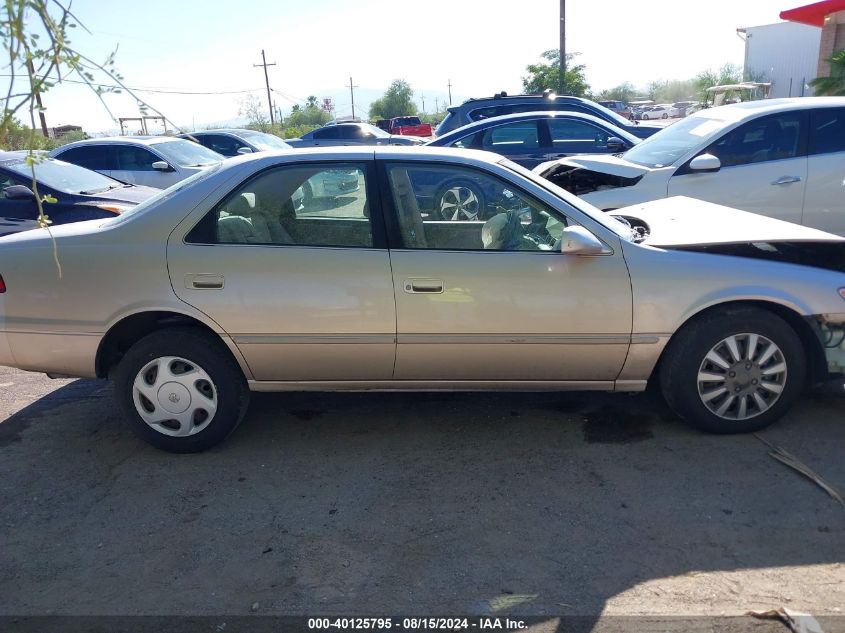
{"points": [[204, 281], [427, 286], [785, 180]]}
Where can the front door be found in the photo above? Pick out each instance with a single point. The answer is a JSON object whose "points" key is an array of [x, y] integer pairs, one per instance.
{"points": [[301, 284], [764, 169], [493, 298]]}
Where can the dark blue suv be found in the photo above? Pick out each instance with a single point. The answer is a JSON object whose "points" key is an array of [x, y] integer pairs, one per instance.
{"points": [[499, 104]]}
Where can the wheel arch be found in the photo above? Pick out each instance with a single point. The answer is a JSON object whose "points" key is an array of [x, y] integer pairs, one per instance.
{"points": [[806, 328], [131, 328]]}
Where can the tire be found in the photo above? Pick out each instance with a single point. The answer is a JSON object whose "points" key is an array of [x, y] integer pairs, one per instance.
{"points": [[665, 115], [709, 395], [644, 117], [460, 200], [203, 375]]}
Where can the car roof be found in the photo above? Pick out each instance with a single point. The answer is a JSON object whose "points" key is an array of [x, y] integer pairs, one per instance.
{"points": [[130, 140], [524, 116], [227, 130], [751, 109]]}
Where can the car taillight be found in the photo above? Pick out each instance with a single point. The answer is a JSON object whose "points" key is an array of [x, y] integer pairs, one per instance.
{"points": [[2, 285]]}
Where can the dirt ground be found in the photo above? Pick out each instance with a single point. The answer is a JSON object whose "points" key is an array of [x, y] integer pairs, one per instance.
{"points": [[534, 504]]}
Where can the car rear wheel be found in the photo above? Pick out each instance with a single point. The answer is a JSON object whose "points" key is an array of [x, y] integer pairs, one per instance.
{"points": [[733, 372], [460, 201], [665, 115], [180, 390]]}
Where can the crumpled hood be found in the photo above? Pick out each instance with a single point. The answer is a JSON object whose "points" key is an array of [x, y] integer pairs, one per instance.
{"points": [[683, 221], [602, 163]]}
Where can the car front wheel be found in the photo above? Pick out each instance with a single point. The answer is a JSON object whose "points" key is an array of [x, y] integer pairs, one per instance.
{"points": [[733, 371], [180, 390]]}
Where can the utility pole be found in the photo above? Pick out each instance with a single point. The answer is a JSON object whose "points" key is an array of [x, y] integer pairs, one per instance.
{"points": [[422, 96], [450, 91], [267, 82], [37, 94], [562, 80], [436, 105], [352, 95]]}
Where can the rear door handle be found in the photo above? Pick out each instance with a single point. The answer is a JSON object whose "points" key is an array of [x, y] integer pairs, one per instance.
{"points": [[427, 286], [785, 180], [204, 281]]}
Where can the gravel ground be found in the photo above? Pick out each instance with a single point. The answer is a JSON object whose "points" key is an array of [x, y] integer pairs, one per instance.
{"points": [[368, 504]]}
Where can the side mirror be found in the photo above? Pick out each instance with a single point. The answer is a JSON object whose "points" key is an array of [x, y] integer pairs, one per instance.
{"points": [[19, 192], [161, 165], [616, 144], [705, 163], [244, 150], [576, 240]]}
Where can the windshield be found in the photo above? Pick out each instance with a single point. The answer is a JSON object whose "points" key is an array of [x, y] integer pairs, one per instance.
{"points": [[608, 221], [164, 194], [264, 141], [187, 154], [675, 141], [64, 177]]}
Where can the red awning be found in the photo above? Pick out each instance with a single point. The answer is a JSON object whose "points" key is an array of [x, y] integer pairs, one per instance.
{"points": [[813, 14]]}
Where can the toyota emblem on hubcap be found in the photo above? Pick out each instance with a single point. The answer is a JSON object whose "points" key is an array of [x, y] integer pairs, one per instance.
{"points": [[173, 398]]}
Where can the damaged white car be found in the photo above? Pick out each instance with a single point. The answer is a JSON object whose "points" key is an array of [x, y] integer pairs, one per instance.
{"points": [[223, 285], [784, 158]]}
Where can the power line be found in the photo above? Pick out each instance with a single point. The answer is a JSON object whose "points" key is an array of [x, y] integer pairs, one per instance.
{"points": [[141, 89]]}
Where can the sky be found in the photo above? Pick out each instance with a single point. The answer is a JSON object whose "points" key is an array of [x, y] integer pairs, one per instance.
{"points": [[481, 47]]}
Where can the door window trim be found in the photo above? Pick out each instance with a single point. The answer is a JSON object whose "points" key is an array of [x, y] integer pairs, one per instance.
{"points": [[371, 185], [391, 220]]}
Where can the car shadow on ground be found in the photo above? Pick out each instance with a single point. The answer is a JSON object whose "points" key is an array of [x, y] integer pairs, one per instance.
{"points": [[385, 504]]}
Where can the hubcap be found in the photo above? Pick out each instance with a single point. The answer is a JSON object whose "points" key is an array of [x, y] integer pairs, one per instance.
{"points": [[174, 396], [459, 203], [742, 376]]}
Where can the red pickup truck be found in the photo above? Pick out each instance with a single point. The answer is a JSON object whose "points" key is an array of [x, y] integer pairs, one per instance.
{"points": [[406, 126]]}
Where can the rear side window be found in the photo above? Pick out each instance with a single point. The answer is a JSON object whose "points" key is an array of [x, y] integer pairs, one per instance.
{"points": [[294, 205], [96, 157], [827, 131], [329, 132], [510, 138], [486, 113]]}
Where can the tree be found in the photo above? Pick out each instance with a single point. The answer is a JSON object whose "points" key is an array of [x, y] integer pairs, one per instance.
{"points": [[623, 92], [834, 84], [252, 108], [727, 74], [397, 101], [311, 102], [546, 75]]}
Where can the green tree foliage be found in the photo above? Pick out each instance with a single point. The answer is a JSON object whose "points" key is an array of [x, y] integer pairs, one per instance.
{"points": [[397, 101], [546, 75], [727, 74], [256, 113], [623, 92], [311, 115], [834, 84]]}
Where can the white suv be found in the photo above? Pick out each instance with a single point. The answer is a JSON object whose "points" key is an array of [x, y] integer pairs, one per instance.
{"points": [[784, 158], [154, 161]]}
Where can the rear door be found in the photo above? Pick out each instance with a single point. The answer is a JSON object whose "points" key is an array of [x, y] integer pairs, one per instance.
{"points": [[764, 168], [824, 198], [303, 286]]}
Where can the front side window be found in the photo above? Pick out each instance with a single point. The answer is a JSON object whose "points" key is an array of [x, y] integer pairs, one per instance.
{"points": [[570, 136], [768, 138], [225, 145], [187, 154], [455, 208], [827, 131], [303, 205], [511, 138], [131, 158]]}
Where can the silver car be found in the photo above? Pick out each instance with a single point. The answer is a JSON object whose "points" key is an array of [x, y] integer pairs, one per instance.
{"points": [[222, 284]]}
